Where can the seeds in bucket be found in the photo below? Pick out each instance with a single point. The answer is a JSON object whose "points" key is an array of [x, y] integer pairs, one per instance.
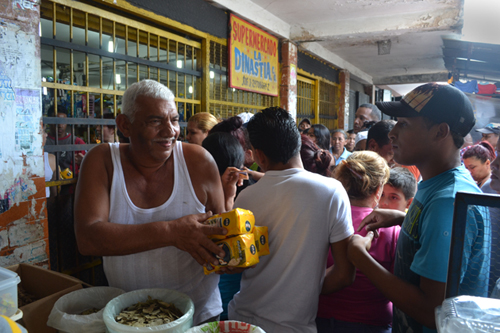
{"points": [[150, 313], [89, 311]]}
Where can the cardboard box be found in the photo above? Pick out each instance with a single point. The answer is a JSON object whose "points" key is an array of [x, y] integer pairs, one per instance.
{"points": [[47, 286]]}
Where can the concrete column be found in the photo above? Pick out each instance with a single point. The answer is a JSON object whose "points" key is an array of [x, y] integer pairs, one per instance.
{"points": [[288, 88], [370, 91], [343, 116]]}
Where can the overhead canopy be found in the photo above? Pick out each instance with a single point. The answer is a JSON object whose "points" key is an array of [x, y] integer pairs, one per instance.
{"points": [[471, 60]]}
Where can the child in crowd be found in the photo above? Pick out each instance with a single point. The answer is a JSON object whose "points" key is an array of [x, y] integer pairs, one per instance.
{"points": [[399, 190], [227, 153], [361, 307]]}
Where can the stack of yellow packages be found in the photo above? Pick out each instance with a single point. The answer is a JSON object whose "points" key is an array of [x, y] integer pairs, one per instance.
{"points": [[244, 242]]}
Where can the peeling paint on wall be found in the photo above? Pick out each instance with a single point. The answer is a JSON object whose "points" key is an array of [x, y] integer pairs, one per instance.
{"points": [[24, 232], [34, 252], [21, 155], [4, 239], [22, 188]]}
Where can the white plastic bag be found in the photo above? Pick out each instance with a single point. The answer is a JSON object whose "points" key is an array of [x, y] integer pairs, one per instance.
{"points": [[227, 326], [468, 314], [180, 300], [65, 315]]}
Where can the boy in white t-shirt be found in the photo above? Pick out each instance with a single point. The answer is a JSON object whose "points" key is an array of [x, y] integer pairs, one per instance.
{"points": [[306, 214]]}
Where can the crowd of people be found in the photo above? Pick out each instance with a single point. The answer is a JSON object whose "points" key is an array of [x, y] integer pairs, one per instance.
{"points": [[355, 244]]}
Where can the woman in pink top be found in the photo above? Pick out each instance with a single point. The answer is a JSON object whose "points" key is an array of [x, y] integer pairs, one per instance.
{"points": [[361, 307]]}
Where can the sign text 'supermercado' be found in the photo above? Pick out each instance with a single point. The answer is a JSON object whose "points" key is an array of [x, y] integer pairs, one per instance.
{"points": [[253, 58]]}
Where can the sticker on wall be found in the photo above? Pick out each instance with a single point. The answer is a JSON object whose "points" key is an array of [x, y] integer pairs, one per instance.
{"points": [[25, 4]]}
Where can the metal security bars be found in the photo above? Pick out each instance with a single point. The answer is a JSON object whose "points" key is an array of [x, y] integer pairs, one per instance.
{"points": [[318, 99], [225, 102], [90, 56], [306, 92]]}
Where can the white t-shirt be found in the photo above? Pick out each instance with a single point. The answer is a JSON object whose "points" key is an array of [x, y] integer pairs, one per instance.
{"points": [[304, 213]]}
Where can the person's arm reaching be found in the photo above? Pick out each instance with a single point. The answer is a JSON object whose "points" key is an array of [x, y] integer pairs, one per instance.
{"points": [[418, 302], [382, 218], [342, 273], [97, 236]]}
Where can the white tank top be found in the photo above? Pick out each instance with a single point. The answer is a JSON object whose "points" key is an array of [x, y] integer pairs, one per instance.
{"points": [[166, 267]]}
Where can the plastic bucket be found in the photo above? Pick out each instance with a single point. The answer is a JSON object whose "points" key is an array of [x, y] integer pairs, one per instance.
{"points": [[180, 300], [65, 315], [228, 326]]}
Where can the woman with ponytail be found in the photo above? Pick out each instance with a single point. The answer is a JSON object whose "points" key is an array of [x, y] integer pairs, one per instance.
{"points": [[361, 307], [477, 160], [315, 159]]}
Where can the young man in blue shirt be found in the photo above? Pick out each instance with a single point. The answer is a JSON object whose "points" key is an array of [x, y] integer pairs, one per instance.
{"points": [[432, 122]]}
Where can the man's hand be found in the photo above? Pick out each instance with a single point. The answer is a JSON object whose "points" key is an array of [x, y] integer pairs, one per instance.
{"points": [[381, 218], [191, 235], [79, 158], [359, 245], [231, 178]]}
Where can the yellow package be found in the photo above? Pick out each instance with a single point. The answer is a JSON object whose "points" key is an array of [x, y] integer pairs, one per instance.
{"points": [[240, 252], [236, 222], [261, 240]]}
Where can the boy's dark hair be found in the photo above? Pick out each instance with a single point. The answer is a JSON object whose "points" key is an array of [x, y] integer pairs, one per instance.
{"points": [[225, 149], [458, 139], [380, 132], [60, 109], [351, 131], [401, 178], [322, 135], [274, 132], [376, 114], [339, 131]]}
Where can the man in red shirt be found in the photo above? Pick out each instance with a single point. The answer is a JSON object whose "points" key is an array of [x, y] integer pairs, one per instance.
{"points": [[59, 136]]}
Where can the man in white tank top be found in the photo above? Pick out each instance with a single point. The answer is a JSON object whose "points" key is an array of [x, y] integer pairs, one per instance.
{"points": [[141, 205]]}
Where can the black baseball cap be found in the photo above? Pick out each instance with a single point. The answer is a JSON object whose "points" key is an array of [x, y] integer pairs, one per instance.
{"points": [[440, 103], [492, 128]]}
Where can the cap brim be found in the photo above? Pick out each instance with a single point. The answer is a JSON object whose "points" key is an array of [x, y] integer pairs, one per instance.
{"points": [[486, 131], [397, 109]]}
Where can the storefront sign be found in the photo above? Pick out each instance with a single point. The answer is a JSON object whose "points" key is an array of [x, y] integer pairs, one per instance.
{"points": [[253, 58]]}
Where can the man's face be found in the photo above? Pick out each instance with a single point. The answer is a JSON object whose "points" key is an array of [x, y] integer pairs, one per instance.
{"points": [[491, 138], [303, 126], [385, 151], [351, 140], [60, 128], [393, 198], [362, 115], [338, 142], [495, 171], [194, 134], [108, 134], [410, 140], [155, 128]]}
